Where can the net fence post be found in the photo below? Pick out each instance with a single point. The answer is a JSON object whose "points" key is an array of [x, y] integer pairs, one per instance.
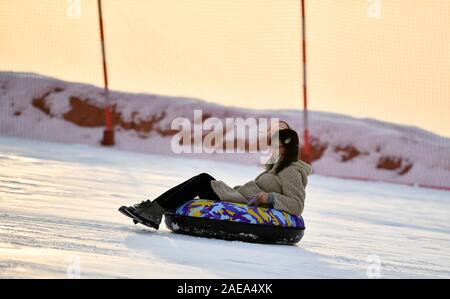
{"points": [[108, 133], [306, 148]]}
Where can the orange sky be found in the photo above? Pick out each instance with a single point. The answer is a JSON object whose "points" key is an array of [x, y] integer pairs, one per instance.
{"points": [[394, 66]]}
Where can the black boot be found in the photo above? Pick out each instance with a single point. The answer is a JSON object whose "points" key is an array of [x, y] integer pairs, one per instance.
{"points": [[142, 204], [149, 214], [129, 211]]}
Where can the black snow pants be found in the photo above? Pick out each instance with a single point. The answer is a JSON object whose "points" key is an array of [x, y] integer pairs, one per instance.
{"points": [[198, 185]]}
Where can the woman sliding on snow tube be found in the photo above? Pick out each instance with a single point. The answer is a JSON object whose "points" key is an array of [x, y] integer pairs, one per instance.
{"points": [[281, 186]]}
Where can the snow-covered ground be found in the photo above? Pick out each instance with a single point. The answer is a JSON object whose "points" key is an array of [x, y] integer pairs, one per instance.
{"points": [[58, 214]]}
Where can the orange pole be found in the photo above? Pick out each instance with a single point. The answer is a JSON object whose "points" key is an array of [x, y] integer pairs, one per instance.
{"points": [[108, 134], [306, 149]]}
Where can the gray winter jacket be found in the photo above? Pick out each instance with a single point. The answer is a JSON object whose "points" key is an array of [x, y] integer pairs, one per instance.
{"points": [[287, 187]]}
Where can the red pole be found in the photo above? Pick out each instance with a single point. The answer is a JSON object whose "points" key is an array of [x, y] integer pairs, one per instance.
{"points": [[306, 150], [108, 133]]}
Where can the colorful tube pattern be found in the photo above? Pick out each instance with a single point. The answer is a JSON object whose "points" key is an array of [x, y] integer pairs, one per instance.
{"points": [[236, 212]]}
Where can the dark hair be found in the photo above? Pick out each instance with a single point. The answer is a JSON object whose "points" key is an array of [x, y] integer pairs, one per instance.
{"points": [[285, 123], [290, 141]]}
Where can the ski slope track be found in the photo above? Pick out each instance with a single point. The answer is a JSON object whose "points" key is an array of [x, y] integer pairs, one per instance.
{"points": [[59, 218]]}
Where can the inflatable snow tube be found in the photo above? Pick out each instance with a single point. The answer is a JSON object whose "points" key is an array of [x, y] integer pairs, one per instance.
{"points": [[233, 221]]}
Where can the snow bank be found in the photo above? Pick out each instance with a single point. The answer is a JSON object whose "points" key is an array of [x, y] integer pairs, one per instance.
{"points": [[39, 107]]}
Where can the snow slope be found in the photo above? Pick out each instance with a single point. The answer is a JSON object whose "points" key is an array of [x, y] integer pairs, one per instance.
{"points": [[58, 210], [44, 108]]}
